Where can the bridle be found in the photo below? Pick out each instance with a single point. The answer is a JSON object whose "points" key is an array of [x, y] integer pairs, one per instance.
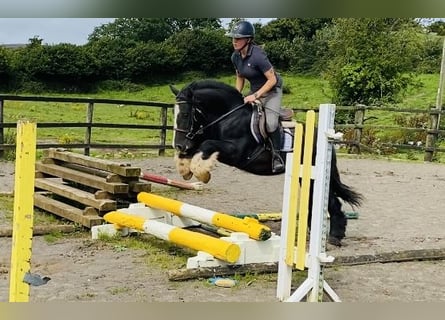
{"points": [[190, 133]]}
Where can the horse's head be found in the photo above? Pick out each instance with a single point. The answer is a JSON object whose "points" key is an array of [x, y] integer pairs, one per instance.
{"points": [[186, 123], [197, 105]]}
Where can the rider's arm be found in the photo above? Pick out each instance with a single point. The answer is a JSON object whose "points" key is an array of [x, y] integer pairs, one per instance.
{"points": [[239, 83], [268, 85]]}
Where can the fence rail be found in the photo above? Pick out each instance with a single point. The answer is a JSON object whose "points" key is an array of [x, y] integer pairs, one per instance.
{"points": [[163, 126], [432, 131]]}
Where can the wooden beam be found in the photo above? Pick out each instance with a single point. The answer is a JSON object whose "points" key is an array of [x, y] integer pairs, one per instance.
{"points": [[55, 185], [66, 211], [106, 165], [42, 230], [386, 257], [82, 178]]}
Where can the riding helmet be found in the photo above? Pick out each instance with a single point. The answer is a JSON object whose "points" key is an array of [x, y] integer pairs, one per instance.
{"points": [[242, 29]]}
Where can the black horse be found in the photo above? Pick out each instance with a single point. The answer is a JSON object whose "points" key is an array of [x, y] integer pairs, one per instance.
{"points": [[213, 124]]}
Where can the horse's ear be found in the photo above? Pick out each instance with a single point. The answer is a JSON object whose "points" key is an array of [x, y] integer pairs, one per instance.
{"points": [[174, 90]]}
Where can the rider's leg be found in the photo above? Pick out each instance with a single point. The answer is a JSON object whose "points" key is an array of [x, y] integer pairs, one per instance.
{"points": [[277, 161], [272, 105]]}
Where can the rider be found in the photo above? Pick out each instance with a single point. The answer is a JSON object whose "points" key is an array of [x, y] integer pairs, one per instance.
{"points": [[252, 63]]}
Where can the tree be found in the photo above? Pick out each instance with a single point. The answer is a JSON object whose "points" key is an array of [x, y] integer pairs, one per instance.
{"points": [[291, 43], [371, 60], [438, 27], [68, 63], [203, 50], [5, 67], [133, 29], [150, 29], [291, 28], [151, 61]]}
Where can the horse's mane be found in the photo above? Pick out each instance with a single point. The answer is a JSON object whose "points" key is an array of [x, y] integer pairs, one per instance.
{"points": [[213, 85]]}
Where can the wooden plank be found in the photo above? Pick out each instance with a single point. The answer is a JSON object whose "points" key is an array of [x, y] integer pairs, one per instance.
{"points": [[82, 178], [109, 177], [122, 169], [101, 194], [393, 256], [66, 211], [139, 186], [42, 229], [90, 211], [272, 267], [229, 270], [55, 185]]}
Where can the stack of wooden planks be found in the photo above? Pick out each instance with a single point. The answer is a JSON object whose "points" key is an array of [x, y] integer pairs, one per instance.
{"points": [[82, 188]]}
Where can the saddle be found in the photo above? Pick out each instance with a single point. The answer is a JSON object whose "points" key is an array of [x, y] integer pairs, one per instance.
{"points": [[258, 121]]}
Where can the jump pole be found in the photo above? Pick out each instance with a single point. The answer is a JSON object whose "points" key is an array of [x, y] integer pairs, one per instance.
{"points": [[251, 226], [23, 211], [218, 248], [171, 182], [314, 286]]}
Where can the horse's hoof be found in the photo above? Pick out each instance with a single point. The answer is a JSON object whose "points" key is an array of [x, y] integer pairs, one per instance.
{"points": [[187, 176], [206, 177], [335, 241], [203, 176]]}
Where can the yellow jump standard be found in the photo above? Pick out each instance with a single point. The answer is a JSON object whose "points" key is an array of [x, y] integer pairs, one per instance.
{"points": [[23, 211]]}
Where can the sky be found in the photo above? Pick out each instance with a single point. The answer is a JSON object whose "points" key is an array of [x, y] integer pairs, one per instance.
{"points": [[55, 30], [51, 30]]}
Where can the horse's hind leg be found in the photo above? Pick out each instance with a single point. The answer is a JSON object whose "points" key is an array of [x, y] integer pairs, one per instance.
{"points": [[338, 221], [183, 167]]}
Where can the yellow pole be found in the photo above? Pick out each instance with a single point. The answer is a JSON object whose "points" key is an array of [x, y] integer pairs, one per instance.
{"points": [[303, 211], [221, 249], [251, 226], [23, 211], [294, 194]]}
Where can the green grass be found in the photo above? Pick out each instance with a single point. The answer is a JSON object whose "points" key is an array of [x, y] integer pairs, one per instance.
{"points": [[160, 253]]}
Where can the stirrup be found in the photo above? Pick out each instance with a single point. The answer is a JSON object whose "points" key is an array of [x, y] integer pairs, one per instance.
{"points": [[277, 164]]}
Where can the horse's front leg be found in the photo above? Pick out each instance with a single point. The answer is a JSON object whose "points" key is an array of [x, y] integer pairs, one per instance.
{"points": [[209, 153], [183, 167], [201, 167]]}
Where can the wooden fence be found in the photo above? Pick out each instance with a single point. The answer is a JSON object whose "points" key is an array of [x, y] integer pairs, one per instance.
{"points": [[432, 131], [163, 126]]}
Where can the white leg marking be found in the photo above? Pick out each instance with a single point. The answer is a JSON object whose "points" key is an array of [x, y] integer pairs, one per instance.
{"points": [[183, 167], [201, 168]]}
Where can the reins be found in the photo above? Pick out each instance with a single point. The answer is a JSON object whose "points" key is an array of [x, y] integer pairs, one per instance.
{"points": [[191, 135]]}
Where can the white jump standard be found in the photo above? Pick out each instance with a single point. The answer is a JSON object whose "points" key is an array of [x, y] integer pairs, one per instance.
{"points": [[314, 285]]}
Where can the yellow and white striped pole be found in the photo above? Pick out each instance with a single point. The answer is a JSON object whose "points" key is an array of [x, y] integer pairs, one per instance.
{"points": [[218, 248], [23, 211], [250, 226]]}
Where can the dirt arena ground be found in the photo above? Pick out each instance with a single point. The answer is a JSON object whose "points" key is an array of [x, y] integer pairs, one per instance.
{"points": [[403, 210]]}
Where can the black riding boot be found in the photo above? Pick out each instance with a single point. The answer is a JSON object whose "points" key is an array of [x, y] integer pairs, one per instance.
{"points": [[275, 144]]}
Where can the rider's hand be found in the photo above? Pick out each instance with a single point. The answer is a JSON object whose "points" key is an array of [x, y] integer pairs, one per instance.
{"points": [[250, 99]]}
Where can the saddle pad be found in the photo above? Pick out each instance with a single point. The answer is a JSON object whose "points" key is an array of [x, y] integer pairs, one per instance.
{"points": [[257, 126], [286, 114]]}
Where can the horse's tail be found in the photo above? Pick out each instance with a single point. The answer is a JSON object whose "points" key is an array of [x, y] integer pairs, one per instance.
{"points": [[341, 190]]}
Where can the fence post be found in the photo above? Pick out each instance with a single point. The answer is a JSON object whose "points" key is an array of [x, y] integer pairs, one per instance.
{"points": [[435, 117], [163, 133], [359, 117], [87, 140]]}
